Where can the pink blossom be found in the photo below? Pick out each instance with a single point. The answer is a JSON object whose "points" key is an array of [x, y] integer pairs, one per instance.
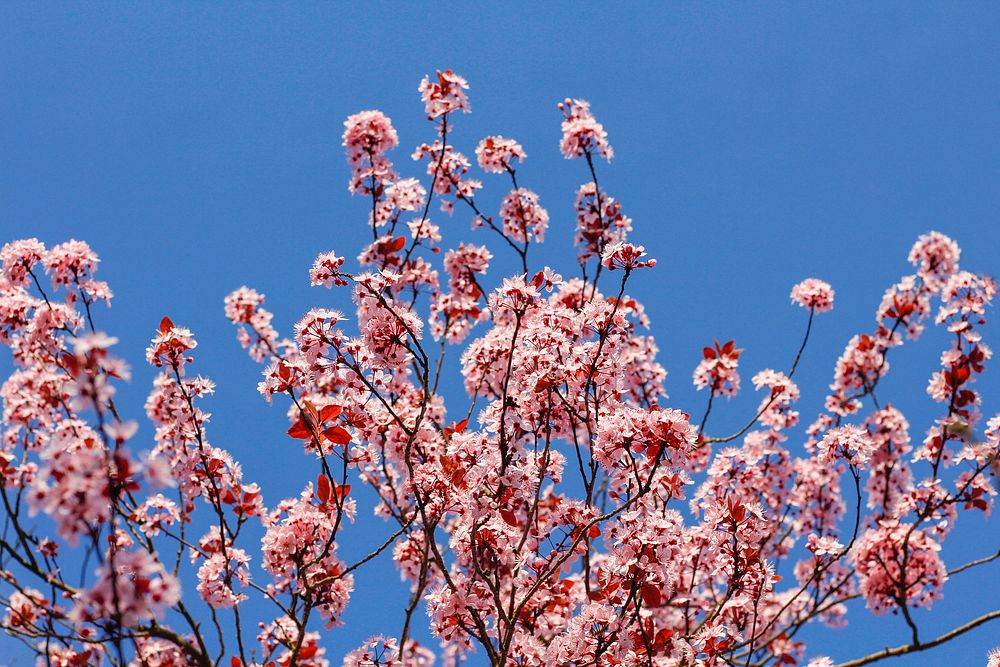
{"points": [[823, 546], [72, 485], [850, 443], [25, 608], [514, 293], [158, 653], [326, 270], [625, 256], [599, 221], [447, 169], [241, 304], [65, 656], [170, 345], [813, 294], [139, 591], [256, 333], [377, 651], [966, 297], [154, 513], [775, 408], [582, 134], [69, 261], [936, 258], [523, 218], [368, 135], [718, 369], [18, 259], [295, 554], [218, 575], [281, 634], [444, 94], [424, 230], [889, 573], [406, 195], [368, 131], [629, 432], [120, 431], [496, 154]]}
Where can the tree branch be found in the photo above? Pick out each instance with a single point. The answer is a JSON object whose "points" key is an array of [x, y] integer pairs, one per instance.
{"points": [[914, 648]]}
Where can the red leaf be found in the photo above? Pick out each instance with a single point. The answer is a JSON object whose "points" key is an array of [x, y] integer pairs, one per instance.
{"points": [[166, 324], [663, 636], [397, 244], [330, 412], [235, 661], [454, 470], [708, 352], [509, 517], [456, 427], [311, 411], [299, 431], [594, 532], [338, 435], [323, 488], [738, 511], [650, 595]]}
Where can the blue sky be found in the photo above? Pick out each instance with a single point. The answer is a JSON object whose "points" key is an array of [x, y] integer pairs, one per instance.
{"points": [[197, 148]]}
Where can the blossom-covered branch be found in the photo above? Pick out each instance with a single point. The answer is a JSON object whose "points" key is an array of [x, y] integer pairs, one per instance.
{"points": [[551, 507]]}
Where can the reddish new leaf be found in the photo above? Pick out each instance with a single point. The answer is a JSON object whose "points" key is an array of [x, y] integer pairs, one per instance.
{"points": [[457, 427], [330, 412], [650, 595], [338, 435], [323, 488], [299, 430]]}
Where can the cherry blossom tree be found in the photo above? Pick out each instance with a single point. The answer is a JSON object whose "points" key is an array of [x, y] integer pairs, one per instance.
{"points": [[564, 512]]}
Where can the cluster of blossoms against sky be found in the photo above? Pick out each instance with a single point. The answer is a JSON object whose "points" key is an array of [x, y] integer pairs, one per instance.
{"points": [[563, 514]]}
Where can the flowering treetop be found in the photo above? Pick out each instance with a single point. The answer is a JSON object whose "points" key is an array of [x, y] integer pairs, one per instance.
{"points": [[563, 514]]}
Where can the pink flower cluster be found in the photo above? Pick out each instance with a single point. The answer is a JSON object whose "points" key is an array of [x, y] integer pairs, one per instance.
{"points": [[847, 443], [368, 135], [625, 256], [891, 575], [523, 217], [582, 134], [299, 553], [131, 587], [496, 154], [444, 93], [599, 221], [326, 270], [718, 369], [813, 294]]}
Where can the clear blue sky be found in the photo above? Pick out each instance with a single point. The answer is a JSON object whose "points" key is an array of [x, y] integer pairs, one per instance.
{"points": [[197, 148]]}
